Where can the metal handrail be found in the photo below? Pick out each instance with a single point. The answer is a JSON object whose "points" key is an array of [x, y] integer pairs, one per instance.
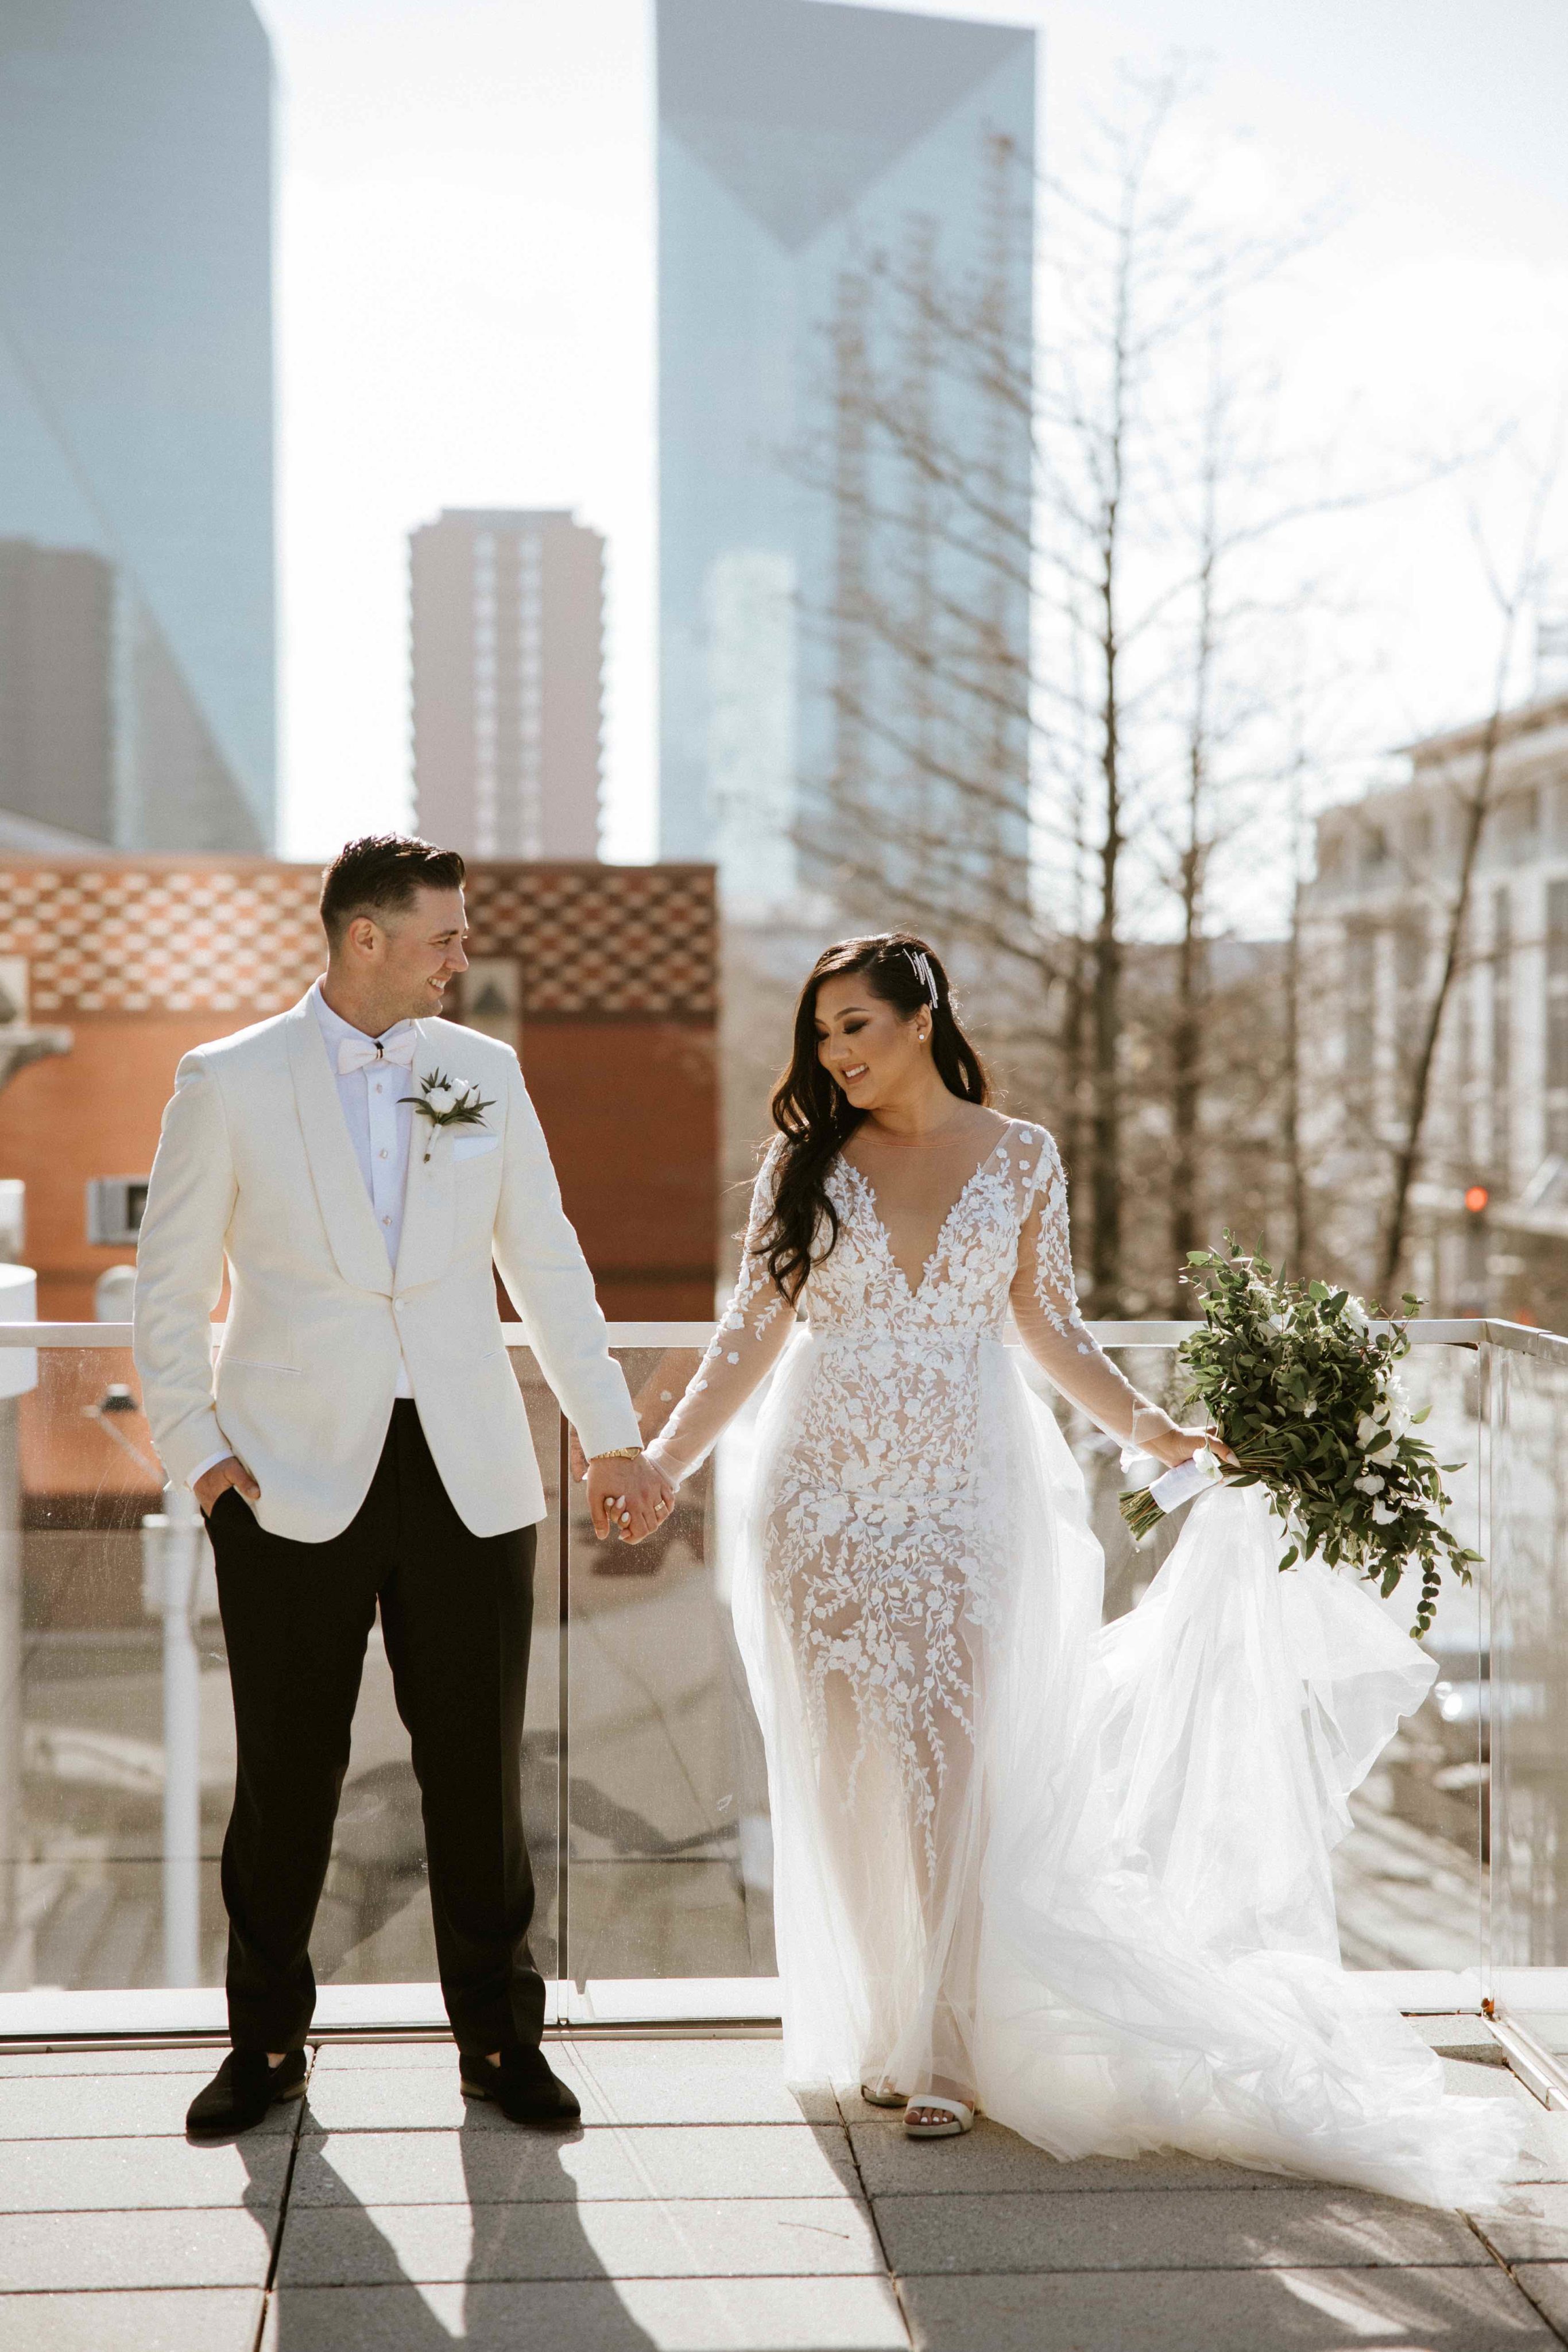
{"points": [[1427, 1330]]}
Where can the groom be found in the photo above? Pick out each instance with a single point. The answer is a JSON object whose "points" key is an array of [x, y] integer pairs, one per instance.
{"points": [[364, 1444]]}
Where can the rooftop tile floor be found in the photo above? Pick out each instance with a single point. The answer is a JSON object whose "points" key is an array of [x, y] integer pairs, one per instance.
{"points": [[701, 2204]]}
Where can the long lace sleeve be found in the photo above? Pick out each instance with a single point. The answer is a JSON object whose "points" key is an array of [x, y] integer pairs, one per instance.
{"points": [[1044, 1301], [751, 1337]]}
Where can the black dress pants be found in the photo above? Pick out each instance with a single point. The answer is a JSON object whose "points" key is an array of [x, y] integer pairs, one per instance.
{"points": [[456, 1615]]}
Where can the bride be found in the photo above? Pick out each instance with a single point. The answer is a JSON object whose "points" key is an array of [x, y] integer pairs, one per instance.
{"points": [[1076, 1876]]}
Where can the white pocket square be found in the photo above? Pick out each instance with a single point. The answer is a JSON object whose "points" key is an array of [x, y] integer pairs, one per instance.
{"points": [[469, 1147]]}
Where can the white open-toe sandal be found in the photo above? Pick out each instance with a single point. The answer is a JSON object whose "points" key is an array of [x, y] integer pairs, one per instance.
{"points": [[957, 2115]]}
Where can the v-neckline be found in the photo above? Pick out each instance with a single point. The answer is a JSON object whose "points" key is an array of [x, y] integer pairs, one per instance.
{"points": [[914, 1289]]}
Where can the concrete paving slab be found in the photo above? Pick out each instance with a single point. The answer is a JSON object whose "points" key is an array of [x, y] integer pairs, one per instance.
{"points": [[116, 2062], [62, 2250], [530, 2168], [759, 2314], [1546, 2284], [766, 2315], [699, 2238], [189, 2319], [62, 2176], [621, 2084], [1545, 2131], [110, 2106], [1171, 2228], [1461, 2034], [1534, 2228], [990, 2158], [387, 2057], [1228, 2311], [693, 2081]]}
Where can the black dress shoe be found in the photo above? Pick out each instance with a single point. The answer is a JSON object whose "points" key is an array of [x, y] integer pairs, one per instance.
{"points": [[522, 2087], [241, 2092]]}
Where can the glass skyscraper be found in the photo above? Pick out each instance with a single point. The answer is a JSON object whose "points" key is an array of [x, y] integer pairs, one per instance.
{"points": [[845, 258], [136, 657]]}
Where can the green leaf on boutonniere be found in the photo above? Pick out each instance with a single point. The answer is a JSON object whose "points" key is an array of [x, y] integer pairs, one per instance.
{"points": [[448, 1102]]}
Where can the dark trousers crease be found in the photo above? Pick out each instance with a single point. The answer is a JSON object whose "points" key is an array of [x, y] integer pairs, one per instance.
{"points": [[456, 1617]]}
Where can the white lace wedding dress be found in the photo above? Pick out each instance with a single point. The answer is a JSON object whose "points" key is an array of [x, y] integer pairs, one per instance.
{"points": [[1079, 1875]]}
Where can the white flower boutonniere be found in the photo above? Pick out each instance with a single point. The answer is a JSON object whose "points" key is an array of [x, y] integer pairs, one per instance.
{"points": [[448, 1102]]}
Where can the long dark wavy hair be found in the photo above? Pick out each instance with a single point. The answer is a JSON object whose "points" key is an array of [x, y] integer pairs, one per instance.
{"points": [[815, 1115]]}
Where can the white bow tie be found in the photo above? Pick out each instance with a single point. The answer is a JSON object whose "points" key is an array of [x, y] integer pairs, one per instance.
{"points": [[359, 1053]]}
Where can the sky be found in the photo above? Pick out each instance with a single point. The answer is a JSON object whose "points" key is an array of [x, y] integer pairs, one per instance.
{"points": [[467, 314]]}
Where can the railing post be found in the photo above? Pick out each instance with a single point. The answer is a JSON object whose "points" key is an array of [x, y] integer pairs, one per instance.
{"points": [[563, 1708], [172, 1545], [15, 1948], [1490, 1632]]}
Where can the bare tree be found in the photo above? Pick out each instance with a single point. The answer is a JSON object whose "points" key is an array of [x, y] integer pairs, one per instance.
{"points": [[1042, 604], [1513, 598]]}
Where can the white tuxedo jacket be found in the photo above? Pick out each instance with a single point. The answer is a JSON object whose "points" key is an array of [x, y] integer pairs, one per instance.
{"points": [[255, 1164]]}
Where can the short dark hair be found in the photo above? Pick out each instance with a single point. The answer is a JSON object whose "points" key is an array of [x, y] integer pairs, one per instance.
{"points": [[380, 873]]}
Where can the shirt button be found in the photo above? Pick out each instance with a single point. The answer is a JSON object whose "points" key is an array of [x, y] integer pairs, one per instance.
{"points": [[384, 1155], [386, 1220], [377, 1086]]}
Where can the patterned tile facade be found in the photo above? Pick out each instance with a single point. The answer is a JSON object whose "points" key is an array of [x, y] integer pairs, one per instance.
{"points": [[241, 935]]}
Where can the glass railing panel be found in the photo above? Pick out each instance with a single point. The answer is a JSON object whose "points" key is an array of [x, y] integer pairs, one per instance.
{"points": [[669, 1842], [1410, 1878], [81, 1782], [670, 1857], [116, 1732], [1527, 1384], [109, 1874], [374, 1923]]}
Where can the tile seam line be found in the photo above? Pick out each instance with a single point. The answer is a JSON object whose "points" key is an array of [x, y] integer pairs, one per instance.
{"points": [[276, 2253], [889, 2274], [1510, 2270]]}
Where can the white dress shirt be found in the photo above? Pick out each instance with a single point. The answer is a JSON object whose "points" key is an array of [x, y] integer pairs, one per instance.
{"points": [[380, 1125], [379, 1122]]}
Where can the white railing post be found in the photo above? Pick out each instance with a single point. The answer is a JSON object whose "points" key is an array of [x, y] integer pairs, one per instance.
{"points": [[172, 1544]]}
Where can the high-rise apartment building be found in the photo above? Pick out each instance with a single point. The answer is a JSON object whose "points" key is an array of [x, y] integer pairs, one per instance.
{"points": [[1489, 1211], [137, 689], [845, 221], [507, 609]]}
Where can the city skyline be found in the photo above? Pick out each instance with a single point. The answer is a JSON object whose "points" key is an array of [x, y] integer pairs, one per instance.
{"points": [[467, 277], [804, 147], [136, 425]]}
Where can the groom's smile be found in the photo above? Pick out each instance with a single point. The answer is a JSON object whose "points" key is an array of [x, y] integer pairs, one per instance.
{"points": [[398, 964]]}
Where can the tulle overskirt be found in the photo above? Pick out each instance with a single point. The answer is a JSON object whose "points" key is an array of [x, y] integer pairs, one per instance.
{"points": [[1129, 1940]]}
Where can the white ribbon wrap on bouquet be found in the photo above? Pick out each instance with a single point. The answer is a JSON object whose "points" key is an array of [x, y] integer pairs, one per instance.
{"points": [[1188, 1478]]}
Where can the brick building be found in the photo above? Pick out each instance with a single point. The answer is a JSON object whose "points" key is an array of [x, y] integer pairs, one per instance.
{"points": [[604, 976]]}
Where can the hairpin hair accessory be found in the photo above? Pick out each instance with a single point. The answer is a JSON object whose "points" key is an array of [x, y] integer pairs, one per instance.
{"points": [[921, 964]]}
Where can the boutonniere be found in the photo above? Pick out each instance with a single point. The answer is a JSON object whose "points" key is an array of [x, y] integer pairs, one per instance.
{"points": [[448, 1102]]}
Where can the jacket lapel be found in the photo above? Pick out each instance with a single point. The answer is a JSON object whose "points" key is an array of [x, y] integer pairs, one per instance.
{"points": [[430, 1196], [340, 1195]]}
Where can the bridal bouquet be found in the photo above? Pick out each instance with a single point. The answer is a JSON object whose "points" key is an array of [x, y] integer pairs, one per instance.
{"points": [[1306, 1395]]}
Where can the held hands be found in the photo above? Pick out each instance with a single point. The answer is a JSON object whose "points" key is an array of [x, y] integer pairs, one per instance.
{"points": [[230, 1472], [628, 1497]]}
